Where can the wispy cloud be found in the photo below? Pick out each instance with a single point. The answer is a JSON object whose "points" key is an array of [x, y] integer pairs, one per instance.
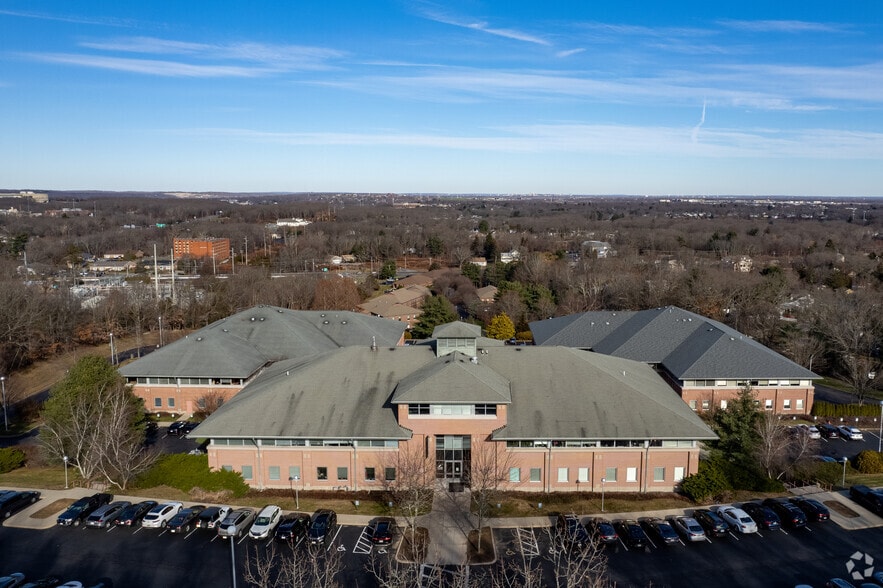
{"points": [[570, 52], [603, 139], [149, 66], [102, 21], [780, 26], [695, 134], [436, 14]]}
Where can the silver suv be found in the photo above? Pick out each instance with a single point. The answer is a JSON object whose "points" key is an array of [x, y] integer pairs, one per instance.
{"points": [[235, 523]]}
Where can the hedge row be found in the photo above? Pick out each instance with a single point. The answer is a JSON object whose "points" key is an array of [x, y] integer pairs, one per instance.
{"points": [[11, 459], [829, 409], [186, 472]]}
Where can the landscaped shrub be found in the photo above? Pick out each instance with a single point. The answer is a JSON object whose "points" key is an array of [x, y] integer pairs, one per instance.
{"points": [[831, 410], [869, 462], [186, 472], [11, 459], [708, 482]]}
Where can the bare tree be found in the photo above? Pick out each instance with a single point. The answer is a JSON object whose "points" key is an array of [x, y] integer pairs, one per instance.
{"points": [[313, 567], [772, 446], [574, 567], [490, 468], [413, 488], [121, 456]]}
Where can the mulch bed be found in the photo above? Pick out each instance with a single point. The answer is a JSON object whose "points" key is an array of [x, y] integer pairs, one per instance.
{"points": [[413, 551], [52, 509], [486, 554], [841, 509]]}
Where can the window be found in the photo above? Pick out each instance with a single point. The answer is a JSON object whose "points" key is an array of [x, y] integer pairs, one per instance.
{"points": [[659, 474], [800, 404], [562, 474], [786, 404], [227, 468], [389, 474], [536, 474], [246, 472], [157, 402], [723, 405], [679, 473], [370, 475], [343, 473], [486, 409], [294, 472], [171, 402], [706, 404], [631, 474], [768, 404], [418, 409], [514, 474], [200, 403], [693, 404], [321, 473], [582, 475], [610, 475], [275, 474]]}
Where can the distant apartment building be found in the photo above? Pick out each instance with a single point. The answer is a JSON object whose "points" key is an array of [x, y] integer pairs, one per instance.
{"points": [[214, 248], [35, 196]]}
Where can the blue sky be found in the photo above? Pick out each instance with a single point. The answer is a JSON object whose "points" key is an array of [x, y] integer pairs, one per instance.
{"points": [[471, 96]]}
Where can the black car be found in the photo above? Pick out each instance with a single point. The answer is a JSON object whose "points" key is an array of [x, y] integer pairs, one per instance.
{"points": [[828, 431], [631, 533], [602, 530], [789, 513], [661, 529], [293, 527], [132, 514], [813, 509], [571, 531], [185, 520], [764, 516], [870, 499], [322, 526], [82, 508], [181, 428], [713, 524], [14, 502], [381, 530], [210, 517]]}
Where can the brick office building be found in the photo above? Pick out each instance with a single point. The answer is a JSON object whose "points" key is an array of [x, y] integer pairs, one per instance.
{"points": [[214, 248]]}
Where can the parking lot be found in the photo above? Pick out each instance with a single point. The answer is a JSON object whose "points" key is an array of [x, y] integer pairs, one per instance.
{"points": [[139, 557]]}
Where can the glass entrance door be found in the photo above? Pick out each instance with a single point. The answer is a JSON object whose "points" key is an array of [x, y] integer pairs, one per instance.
{"points": [[453, 454]]}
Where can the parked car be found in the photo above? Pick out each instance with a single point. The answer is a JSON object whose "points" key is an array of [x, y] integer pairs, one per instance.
{"points": [[631, 533], [828, 431], [870, 499], [851, 433], [838, 583], [47, 582], [265, 523], [12, 580], [160, 515], [210, 517], [813, 509], [659, 528], [811, 431], [381, 530], [790, 514], [571, 531], [104, 516], [764, 516], [603, 530], [687, 527], [181, 428], [79, 510], [713, 524], [293, 527], [322, 525], [185, 520], [14, 502], [738, 519], [235, 524], [133, 513]]}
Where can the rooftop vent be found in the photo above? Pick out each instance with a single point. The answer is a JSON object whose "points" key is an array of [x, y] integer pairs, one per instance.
{"points": [[325, 322], [262, 318], [199, 338], [373, 343], [252, 319], [226, 330], [343, 322], [473, 359]]}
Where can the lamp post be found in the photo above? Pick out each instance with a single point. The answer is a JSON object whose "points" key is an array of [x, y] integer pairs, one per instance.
{"points": [[879, 435], [232, 560], [3, 385], [65, 458], [602, 493], [113, 353], [160, 332], [291, 480], [843, 479]]}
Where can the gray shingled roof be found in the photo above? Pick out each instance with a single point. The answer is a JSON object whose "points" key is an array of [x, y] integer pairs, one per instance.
{"points": [[241, 344], [687, 345], [454, 378], [456, 329], [556, 393]]}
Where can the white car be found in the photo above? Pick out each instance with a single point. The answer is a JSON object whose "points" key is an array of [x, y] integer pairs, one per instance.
{"points": [[687, 527], [811, 431], [160, 515], [850, 433], [265, 522], [737, 519]]}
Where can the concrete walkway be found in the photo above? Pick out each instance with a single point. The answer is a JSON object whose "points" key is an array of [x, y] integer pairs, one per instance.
{"points": [[449, 525]]}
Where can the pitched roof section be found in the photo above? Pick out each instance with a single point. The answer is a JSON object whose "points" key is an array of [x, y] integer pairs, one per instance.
{"points": [[686, 344], [454, 379], [239, 345], [456, 330], [556, 393]]}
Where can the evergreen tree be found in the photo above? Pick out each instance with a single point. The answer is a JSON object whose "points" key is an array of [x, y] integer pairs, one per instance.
{"points": [[437, 310]]}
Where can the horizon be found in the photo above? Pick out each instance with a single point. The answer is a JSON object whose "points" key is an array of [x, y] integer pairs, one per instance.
{"points": [[461, 98]]}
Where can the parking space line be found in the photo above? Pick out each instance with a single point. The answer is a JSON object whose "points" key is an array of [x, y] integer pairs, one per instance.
{"points": [[783, 530], [733, 535], [363, 544], [190, 533], [650, 541], [624, 546], [707, 538], [243, 538], [333, 539], [528, 541], [759, 534]]}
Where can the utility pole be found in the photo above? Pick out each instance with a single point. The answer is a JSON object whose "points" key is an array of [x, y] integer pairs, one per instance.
{"points": [[246, 251], [155, 271]]}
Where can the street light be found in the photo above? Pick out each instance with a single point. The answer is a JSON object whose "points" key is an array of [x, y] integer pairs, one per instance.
{"points": [[291, 480], [843, 479], [160, 332], [3, 385], [113, 353], [65, 472], [602, 493], [879, 435]]}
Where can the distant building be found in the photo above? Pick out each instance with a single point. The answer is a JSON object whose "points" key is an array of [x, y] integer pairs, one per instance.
{"points": [[292, 222], [215, 248], [741, 264], [487, 294], [35, 196], [601, 249]]}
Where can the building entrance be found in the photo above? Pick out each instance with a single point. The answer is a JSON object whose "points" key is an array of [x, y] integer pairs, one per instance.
{"points": [[453, 454]]}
